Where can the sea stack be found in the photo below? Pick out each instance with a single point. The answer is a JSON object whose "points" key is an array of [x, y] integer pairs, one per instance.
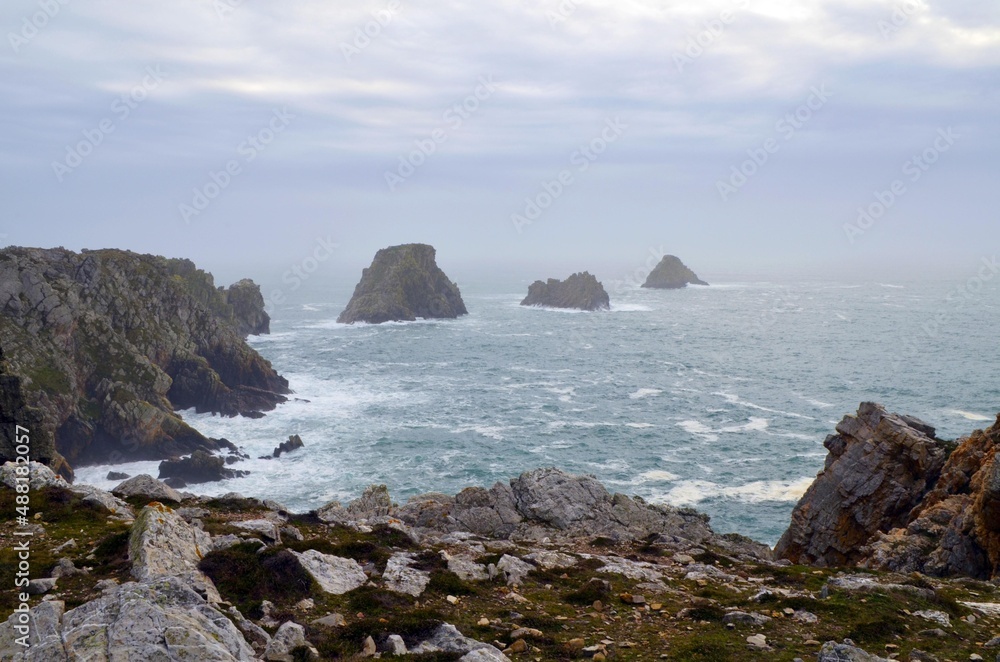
{"points": [[581, 291], [671, 274], [402, 284]]}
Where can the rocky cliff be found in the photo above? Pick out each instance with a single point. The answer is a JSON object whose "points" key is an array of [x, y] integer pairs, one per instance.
{"points": [[671, 274], [248, 308], [581, 291], [894, 497], [108, 344], [402, 284]]}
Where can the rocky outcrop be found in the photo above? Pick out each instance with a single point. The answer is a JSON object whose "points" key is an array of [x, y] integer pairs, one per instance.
{"points": [[14, 412], [581, 291], [955, 530], [402, 284], [878, 470], [107, 344], [162, 544], [200, 467], [247, 303], [145, 486], [671, 274], [294, 443], [162, 619]]}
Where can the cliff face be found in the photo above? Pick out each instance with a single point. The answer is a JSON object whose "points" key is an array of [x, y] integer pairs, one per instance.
{"points": [[892, 498], [107, 344], [402, 284], [248, 308], [671, 274], [581, 291]]}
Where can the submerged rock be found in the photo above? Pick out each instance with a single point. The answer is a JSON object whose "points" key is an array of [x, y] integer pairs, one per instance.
{"points": [[581, 291], [402, 284], [294, 443], [201, 467], [671, 274]]}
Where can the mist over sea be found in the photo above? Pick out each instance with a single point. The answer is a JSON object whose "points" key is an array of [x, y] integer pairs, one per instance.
{"points": [[717, 398]]}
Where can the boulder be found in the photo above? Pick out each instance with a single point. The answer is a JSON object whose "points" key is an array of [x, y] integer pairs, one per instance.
{"points": [[334, 574], [403, 283], [162, 544], [400, 577], [878, 469], [117, 475], [846, 652], [200, 467], [288, 637], [161, 619], [146, 487], [671, 274], [581, 291], [294, 443], [374, 503], [447, 639]]}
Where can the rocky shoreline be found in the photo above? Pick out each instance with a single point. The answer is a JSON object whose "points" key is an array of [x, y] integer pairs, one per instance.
{"points": [[547, 566]]}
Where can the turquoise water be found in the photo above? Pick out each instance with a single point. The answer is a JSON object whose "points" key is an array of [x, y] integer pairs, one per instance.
{"points": [[719, 398]]}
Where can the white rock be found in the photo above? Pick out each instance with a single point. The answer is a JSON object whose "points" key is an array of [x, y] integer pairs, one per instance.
{"points": [[551, 560], [514, 569], [147, 487], [938, 617], [396, 645], [162, 544], [288, 637], [399, 577], [334, 574], [484, 655], [467, 569]]}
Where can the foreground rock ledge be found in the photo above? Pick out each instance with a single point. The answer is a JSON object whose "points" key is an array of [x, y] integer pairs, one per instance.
{"points": [[563, 570], [402, 284]]}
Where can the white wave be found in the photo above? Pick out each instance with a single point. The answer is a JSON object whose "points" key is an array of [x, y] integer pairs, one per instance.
{"points": [[691, 492], [736, 400], [968, 415], [700, 429], [630, 308], [814, 402], [639, 426], [494, 432], [755, 425], [644, 393], [657, 475], [891, 286], [552, 309], [312, 309]]}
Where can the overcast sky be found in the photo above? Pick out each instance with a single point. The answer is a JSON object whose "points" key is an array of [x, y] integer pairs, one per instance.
{"points": [[737, 134]]}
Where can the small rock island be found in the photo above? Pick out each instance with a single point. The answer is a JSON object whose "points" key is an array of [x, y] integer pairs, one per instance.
{"points": [[402, 284], [581, 291], [671, 274]]}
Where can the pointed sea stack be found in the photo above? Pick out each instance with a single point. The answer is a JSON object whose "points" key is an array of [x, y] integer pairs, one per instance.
{"points": [[581, 291], [671, 274], [402, 284]]}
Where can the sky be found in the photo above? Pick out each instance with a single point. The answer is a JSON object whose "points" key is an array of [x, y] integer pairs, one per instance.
{"points": [[827, 137]]}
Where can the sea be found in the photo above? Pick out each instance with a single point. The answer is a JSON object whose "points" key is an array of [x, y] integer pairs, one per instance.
{"points": [[718, 397]]}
